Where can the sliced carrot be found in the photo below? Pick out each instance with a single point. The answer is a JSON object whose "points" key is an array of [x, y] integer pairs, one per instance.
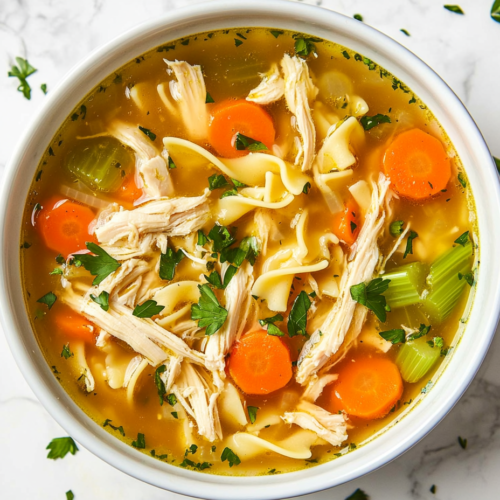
{"points": [[417, 165], [368, 387], [346, 224], [244, 117], [128, 191], [260, 363], [75, 326], [64, 225]]}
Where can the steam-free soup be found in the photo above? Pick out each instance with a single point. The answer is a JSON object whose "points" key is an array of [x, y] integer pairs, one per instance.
{"points": [[248, 251]]}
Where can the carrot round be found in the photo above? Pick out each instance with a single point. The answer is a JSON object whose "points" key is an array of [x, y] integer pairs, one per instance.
{"points": [[64, 225], [369, 387], [244, 117], [417, 165], [346, 224], [260, 363], [128, 191], [75, 326]]}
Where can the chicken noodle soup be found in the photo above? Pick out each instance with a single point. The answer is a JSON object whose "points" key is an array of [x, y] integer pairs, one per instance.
{"points": [[248, 251]]}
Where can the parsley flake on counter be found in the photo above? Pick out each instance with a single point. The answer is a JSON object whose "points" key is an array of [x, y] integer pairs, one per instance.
{"points": [[495, 11], [100, 265], [462, 442], [49, 299], [168, 263], [395, 336], [369, 122], [433, 489], [208, 311], [405, 32], [272, 329], [22, 71], [409, 244], [297, 319], [70, 495], [230, 456], [371, 296], [140, 444], [243, 143], [252, 413], [60, 447], [396, 228], [454, 8], [43, 88], [147, 309], [107, 423], [102, 300], [358, 495], [358, 17], [463, 239], [148, 133]]}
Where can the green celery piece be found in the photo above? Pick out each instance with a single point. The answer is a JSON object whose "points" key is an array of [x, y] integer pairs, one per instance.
{"points": [[416, 358], [444, 284], [100, 163], [407, 284]]}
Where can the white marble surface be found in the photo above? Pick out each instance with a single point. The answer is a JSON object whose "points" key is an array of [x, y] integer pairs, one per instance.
{"points": [[55, 35]]}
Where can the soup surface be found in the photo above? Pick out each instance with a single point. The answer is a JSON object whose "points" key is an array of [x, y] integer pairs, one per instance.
{"points": [[248, 251]]}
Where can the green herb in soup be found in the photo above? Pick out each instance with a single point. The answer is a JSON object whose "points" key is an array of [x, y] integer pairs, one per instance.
{"points": [[249, 250]]}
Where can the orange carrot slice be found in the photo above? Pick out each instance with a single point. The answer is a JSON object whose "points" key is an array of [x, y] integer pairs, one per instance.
{"points": [[74, 326], [241, 116], [346, 224], [417, 165], [128, 191], [260, 363]]}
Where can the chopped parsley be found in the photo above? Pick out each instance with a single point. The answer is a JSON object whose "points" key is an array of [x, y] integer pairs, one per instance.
{"points": [[160, 386], [107, 423], [371, 296], [49, 299], [22, 71], [147, 309], [463, 239], [248, 249], [43, 88], [172, 399], [462, 442], [202, 239], [358, 17], [237, 42], [297, 319], [140, 443], [215, 280], [197, 466], [462, 180], [209, 99], [245, 143], [252, 413], [346, 54], [495, 11], [405, 32], [396, 228], [433, 489], [168, 263], [70, 495], [272, 329], [358, 495], [468, 277], [192, 449], [221, 238], [60, 447], [306, 188], [230, 456], [174, 414], [208, 311], [369, 122], [100, 265], [276, 33], [353, 227], [102, 300], [171, 164], [217, 181], [305, 45], [436, 342], [60, 259], [454, 8], [422, 330], [396, 336], [409, 244], [165, 48], [148, 133]]}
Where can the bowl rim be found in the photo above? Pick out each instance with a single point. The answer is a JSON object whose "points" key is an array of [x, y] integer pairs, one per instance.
{"points": [[388, 446]]}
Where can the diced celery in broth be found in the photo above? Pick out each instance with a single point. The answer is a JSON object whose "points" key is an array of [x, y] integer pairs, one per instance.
{"points": [[87, 156]]}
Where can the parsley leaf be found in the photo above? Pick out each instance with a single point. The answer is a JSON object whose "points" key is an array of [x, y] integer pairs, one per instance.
{"points": [[202, 239], [221, 237], [48, 299], [405, 32], [462, 180], [140, 443], [102, 300], [369, 122], [396, 227], [237, 183], [306, 188], [168, 263], [107, 423], [248, 249], [358, 495], [422, 330], [305, 45], [43, 88], [396, 336], [56, 270], [272, 329], [230, 456], [358, 17], [148, 309], [237, 42], [371, 296], [229, 192], [21, 72], [160, 385], [463, 239], [346, 54], [462, 442], [215, 280], [171, 163], [495, 11], [409, 244], [209, 99], [468, 277], [217, 181], [60, 447], [252, 413], [199, 466], [276, 33], [60, 259], [208, 311], [297, 319], [100, 265], [66, 353], [454, 8], [436, 342], [243, 143], [174, 414], [70, 495], [148, 132], [172, 399]]}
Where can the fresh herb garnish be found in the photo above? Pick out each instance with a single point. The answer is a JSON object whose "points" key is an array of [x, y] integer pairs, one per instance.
{"points": [[148, 309], [495, 11], [422, 330], [160, 385], [215, 280], [358, 17], [276, 33], [305, 45], [463, 239], [140, 444], [358, 495], [171, 163], [70, 495], [462, 442], [237, 42], [100, 265], [172, 399], [60, 447], [230, 456], [43, 88], [409, 244], [209, 99], [353, 227], [221, 238], [199, 466], [174, 414], [433, 489], [217, 181], [346, 54], [371, 296], [107, 423], [248, 249], [462, 180], [454, 8], [306, 188], [168, 263], [60, 259], [192, 449], [396, 336], [405, 32], [48, 299], [202, 239], [252, 413], [148, 132], [102, 300], [66, 352], [272, 329], [237, 183], [468, 277], [297, 319], [229, 192], [396, 227], [208, 311], [436, 342], [243, 143], [369, 122], [21, 72]]}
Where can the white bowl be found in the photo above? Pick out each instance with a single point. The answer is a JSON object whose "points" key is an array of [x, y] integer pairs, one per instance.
{"points": [[459, 368]]}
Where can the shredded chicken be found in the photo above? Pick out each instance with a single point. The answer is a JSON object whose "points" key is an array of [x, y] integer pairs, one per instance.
{"points": [[270, 89], [363, 260], [299, 91]]}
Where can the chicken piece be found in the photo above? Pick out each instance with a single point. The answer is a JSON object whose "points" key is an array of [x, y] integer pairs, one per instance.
{"points": [[270, 89], [151, 169], [238, 301], [189, 93], [299, 91], [196, 393], [363, 260]]}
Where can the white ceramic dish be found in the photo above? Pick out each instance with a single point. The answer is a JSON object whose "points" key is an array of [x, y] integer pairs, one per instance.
{"points": [[460, 367]]}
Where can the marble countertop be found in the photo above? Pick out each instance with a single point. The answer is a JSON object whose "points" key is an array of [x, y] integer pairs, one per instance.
{"points": [[57, 34]]}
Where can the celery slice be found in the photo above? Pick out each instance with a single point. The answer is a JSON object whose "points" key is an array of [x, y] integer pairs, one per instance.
{"points": [[100, 163], [416, 358], [445, 285], [407, 284]]}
